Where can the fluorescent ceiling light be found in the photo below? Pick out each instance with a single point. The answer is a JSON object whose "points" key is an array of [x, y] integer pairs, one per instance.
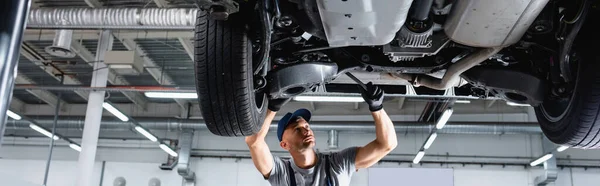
{"points": [[462, 101], [329, 98], [146, 133], [13, 115], [562, 148], [541, 160], [173, 95], [444, 119], [115, 112], [418, 157], [121, 66], [430, 141], [43, 131], [75, 147], [517, 104], [168, 150]]}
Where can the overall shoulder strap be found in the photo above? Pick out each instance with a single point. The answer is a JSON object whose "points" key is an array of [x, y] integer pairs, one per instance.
{"points": [[291, 174], [327, 170]]}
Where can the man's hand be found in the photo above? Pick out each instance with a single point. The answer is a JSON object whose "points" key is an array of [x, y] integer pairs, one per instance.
{"points": [[276, 104], [373, 96], [385, 140]]}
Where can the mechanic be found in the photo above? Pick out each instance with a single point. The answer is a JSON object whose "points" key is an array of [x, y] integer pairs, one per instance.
{"points": [[309, 168]]}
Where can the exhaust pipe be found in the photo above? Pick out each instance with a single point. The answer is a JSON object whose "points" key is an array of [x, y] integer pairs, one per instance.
{"points": [[452, 75]]}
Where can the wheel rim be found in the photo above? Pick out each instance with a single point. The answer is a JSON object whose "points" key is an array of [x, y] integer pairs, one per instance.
{"points": [[259, 98], [555, 109], [259, 95]]}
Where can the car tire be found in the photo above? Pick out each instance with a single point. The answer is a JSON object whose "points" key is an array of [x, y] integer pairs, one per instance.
{"points": [[224, 78], [578, 124]]}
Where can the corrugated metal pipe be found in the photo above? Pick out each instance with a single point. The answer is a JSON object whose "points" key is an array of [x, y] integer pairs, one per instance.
{"points": [[113, 18], [401, 127]]}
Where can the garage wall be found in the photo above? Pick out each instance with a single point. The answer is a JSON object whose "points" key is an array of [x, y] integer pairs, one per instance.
{"points": [[138, 160], [232, 172], [408, 144], [523, 146], [32, 172]]}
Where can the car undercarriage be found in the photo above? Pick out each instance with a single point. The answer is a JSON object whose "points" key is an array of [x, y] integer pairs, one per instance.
{"points": [[533, 52]]}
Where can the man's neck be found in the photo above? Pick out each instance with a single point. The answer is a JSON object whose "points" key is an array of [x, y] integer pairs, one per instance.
{"points": [[306, 159]]}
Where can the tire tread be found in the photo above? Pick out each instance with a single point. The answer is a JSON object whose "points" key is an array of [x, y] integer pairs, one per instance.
{"points": [[224, 78]]}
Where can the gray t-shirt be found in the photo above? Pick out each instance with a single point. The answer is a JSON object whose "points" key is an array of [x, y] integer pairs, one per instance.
{"points": [[341, 166]]}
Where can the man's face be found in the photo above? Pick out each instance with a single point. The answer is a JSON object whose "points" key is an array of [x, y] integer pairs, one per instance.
{"points": [[298, 136]]}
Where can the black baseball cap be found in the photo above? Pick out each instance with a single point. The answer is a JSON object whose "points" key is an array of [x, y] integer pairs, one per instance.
{"points": [[289, 118]]}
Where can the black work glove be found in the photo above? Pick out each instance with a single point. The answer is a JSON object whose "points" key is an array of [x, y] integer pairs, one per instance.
{"points": [[373, 96], [276, 104]]}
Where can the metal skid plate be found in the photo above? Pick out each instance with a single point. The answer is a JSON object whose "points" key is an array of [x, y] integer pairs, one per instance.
{"points": [[508, 84], [491, 23], [289, 81], [363, 22]]}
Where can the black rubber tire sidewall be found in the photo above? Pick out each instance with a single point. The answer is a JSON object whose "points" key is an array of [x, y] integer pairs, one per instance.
{"points": [[224, 79], [580, 126]]}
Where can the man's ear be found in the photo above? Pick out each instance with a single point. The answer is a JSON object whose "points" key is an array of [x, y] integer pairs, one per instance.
{"points": [[284, 145]]}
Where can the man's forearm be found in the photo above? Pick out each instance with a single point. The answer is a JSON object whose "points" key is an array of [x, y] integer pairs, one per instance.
{"points": [[260, 135], [259, 150], [381, 146], [384, 129]]}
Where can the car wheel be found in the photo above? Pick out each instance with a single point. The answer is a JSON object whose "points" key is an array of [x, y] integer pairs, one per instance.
{"points": [[229, 103], [574, 118]]}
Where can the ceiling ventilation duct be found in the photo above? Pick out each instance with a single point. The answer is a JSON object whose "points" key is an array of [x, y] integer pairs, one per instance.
{"points": [[124, 62], [113, 18], [61, 46]]}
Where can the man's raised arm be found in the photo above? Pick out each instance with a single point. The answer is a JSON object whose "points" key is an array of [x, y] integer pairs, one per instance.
{"points": [[383, 144], [385, 140], [259, 150]]}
